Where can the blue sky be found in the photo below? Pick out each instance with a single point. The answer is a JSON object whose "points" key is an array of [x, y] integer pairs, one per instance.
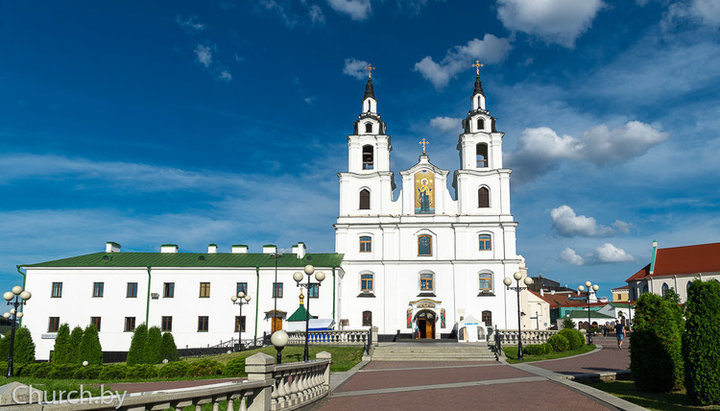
{"points": [[225, 121]]}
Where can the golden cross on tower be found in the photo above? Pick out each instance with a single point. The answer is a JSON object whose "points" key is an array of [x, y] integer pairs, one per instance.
{"points": [[369, 69], [424, 143], [477, 66]]}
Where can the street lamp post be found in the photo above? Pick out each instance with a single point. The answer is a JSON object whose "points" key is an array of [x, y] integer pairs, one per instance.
{"points": [[240, 300], [594, 287], [298, 277], [508, 281], [21, 297], [279, 340]]}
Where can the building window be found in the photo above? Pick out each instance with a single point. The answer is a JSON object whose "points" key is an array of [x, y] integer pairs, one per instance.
{"points": [[487, 318], [96, 322], [426, 282], [166, 323], [366, 283], [53, 324], [131, 290], [314, 290], [367, 319], [481, 124], [486, 282], [98, 289], [241, 288], [129, 324], [204, 290], [203, 321], [368, 161], [645, 289], [483, 197], [481, 153], [168, 290], [485, 242], [365, 244], [277, 290], [368, 127], [364, 199], [239, 322], [665, 289], [425, 245], [56, 290]]}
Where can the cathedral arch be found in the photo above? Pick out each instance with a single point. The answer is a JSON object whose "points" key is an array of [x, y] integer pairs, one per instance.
{"points": [[368, 157], [483, 197], [364, 198], [481, 155]]}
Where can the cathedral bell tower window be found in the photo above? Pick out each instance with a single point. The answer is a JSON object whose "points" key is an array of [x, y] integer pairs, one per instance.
{"points": [[364, 199], [368, 156], [481, 124], [483, 197], [368, 127], [481, 155]]}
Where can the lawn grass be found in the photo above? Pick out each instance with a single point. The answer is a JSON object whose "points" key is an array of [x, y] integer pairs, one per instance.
{"points": [[676, 400], [511, 354], [343, 358]]}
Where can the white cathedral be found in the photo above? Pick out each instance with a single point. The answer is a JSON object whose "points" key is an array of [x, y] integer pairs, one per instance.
{"points": [[413, 267]]}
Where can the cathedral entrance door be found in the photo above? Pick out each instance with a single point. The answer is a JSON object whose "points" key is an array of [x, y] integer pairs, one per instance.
{"points": [[426, 324], [276, 323]]}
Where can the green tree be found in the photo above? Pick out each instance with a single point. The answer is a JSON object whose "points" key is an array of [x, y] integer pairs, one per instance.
{"points": [[61, 352], [24, 349], [153, 346], [655, 349], [701, 347], [677, 309], [568, 323], [136, 354], [76, 337], [168, 349], [90, 349]]}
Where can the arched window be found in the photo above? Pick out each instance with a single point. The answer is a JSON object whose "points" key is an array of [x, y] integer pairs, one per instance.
{"points": [[487, 317], [485, 282], [665, 289], [485, 242], [424, 245], [481, 152], [367, 319], [368, 127], [366, 283], [365, 244], [364, 199], [645, 289], [427, 282], [483, 197], [368, 159], [481, 124]]}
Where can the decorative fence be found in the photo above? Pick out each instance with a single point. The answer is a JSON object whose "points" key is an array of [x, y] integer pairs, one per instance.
{"points": [[332, 337], [269, 387], [510, 337]]}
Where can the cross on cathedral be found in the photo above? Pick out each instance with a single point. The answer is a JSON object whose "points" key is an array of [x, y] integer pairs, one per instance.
{"points": [[477, 66], [423, 143], [369, 69]]}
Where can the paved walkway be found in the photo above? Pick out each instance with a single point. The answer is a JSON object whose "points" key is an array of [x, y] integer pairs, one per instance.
{"points": [[424, 385]]}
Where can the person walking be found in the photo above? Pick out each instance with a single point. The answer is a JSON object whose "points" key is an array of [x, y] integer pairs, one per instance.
{"points": [[619, 333]]}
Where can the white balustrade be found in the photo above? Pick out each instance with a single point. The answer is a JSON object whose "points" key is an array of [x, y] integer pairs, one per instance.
{"points": [[510, 337], [330, 337]]}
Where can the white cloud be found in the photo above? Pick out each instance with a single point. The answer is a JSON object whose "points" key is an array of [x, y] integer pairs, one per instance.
{"points": [[489, 50], [316, 15], [542, 149], [446, 124], [310, 100], [622, 226], [190, 24], [706, 12], [604, 254], [356, 9], [355, 68], [566, 223], [293, 12], [203, 54], [554, 21], [225, 75]]}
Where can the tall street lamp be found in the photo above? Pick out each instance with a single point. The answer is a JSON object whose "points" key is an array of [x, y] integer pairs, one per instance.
{"points": [[528, 281], [279, 340], [298, 277], [594, 287], [21, 297], [240, 300]]}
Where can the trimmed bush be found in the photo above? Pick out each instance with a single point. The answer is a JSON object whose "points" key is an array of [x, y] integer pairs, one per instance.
{"points": [[41, 370], [26, 370], [61, 352], [63, 371], [140, 371], [91, 372], [205, 368], [75, 340], [114, 372], [534, 349], [235, 367], [90, 349], [175, 369], [575, 338], [136, 354], [153, 346], [3, 367], [24, 350], [168, 349], [700, 347], [655, 349], [559, 343]]}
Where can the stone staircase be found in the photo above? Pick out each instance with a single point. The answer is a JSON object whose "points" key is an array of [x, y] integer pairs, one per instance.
{"points": [[412, 351]]}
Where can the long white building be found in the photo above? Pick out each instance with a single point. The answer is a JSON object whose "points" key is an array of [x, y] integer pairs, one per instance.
{"points": [[414, 265]]}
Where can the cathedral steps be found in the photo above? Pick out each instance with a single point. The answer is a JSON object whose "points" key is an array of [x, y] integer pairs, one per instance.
{"points": [[432, 352]]}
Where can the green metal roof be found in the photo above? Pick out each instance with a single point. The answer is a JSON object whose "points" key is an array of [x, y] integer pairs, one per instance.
{"points": [[300, 314], [583, 315], [621, 305], [131, 259]]}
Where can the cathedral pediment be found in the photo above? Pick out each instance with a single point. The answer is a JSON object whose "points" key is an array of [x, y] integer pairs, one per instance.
{"points": [[424, 164]]}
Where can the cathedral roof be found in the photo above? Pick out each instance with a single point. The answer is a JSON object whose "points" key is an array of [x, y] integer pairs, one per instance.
{"points": [[132, 259], [693, 259], [300, 314], [478, 86], [369, 91]]}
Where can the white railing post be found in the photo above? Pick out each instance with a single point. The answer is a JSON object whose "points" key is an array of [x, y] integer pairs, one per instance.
{"points": [[324, 355], [260, 367]]}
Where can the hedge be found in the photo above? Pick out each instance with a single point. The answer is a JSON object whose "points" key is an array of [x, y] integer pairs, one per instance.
{"points": [[235, 367], [701, 347], [559, 343], [575, 338], [114, 372], [205, 368], [90, 372], [140, 371], [537, 349], [174, 369]]}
